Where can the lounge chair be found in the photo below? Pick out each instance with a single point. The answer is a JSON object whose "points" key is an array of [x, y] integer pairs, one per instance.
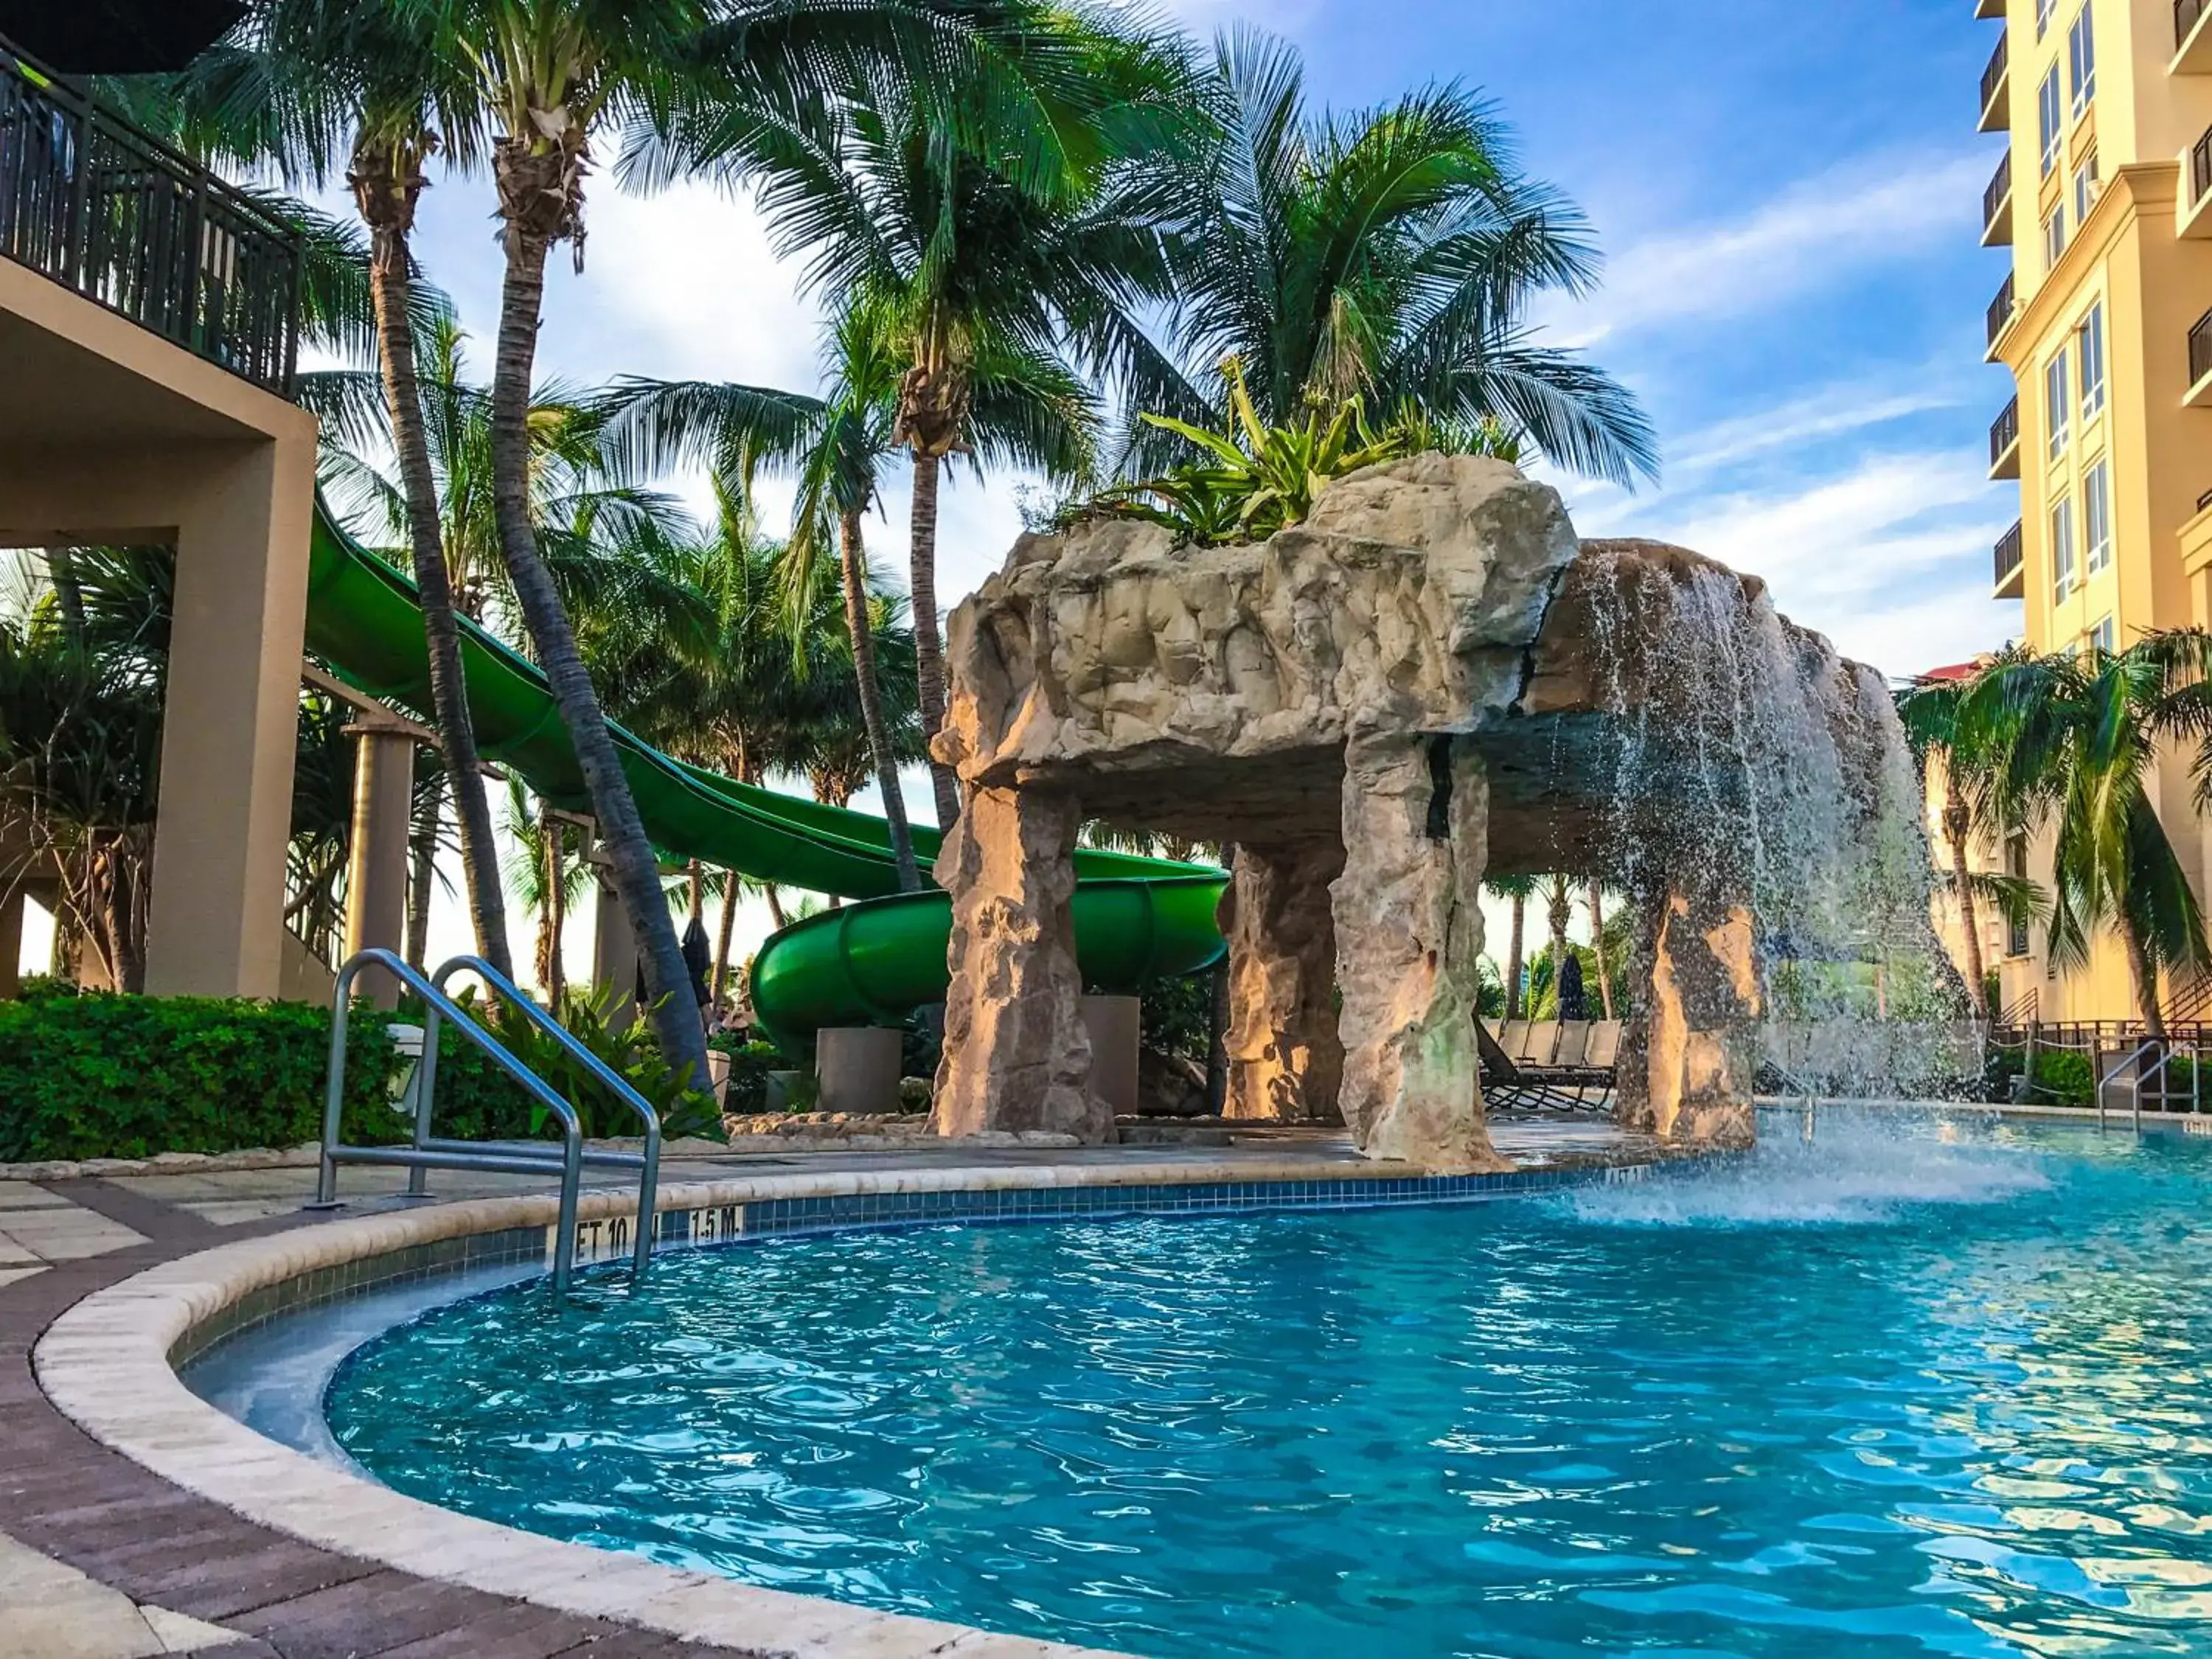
{"points": [[1556, 1066]]}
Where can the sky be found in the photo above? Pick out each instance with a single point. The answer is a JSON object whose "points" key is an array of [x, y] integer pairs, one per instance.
{"points": [[1788, 199]]}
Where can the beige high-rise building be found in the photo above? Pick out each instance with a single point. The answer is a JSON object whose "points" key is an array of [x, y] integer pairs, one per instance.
{"points": [[2103, 196]]}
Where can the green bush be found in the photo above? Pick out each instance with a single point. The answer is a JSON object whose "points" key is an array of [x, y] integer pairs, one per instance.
{"points": [[128, 1077], [107, 1076]]}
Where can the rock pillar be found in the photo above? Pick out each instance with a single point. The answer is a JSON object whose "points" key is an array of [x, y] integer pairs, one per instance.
{"points": [[1017, 1056], [1409, 931], [614, 942], [1689, 1058], [1285, 1058], [377, 853]]}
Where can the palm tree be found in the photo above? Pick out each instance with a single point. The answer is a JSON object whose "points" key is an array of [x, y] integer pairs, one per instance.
{"points": [[282, 89], [975, 263], [2070, 741], [1595, 892], [551, 877], [1929, 711], [1518, 890], [1387, 254]]}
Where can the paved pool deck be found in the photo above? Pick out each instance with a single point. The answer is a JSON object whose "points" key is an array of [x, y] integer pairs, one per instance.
{"points": [[102, 1558]]}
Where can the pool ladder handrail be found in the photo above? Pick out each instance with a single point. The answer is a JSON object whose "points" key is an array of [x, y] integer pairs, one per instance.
{"points": [[428, 1152], [2133, 1057]]}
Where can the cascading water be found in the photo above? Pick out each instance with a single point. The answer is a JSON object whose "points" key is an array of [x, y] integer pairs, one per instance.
{"points": [[1743, 759]]}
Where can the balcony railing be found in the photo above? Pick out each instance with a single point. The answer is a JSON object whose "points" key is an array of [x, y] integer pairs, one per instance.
{"points": [[2008, 555], [2185, 14], [2200, 168], [1993, 76], [2001, 310], [104, 207], [2004, 432], [1998, 197], [2199, 350]]}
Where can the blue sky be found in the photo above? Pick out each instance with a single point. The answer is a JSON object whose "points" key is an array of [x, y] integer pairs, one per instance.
{"points": [[1787, 197]]}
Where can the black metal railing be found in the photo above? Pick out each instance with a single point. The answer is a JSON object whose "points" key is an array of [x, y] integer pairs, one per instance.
{"points": [[1993, 76], [2004, 432], [2009, 554], [2200, 349], [2200, 168], [2001, 310], [2185, 14], [105, 209], [1998, 194]]}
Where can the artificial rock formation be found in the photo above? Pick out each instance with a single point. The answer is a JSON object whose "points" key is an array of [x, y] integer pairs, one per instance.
{"points": [[1429, 680]]}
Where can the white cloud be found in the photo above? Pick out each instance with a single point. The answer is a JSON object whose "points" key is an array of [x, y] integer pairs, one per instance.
{"points": [[1871, 211]]}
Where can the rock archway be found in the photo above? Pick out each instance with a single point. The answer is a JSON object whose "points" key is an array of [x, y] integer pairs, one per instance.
{"points": [[1429, 680]]}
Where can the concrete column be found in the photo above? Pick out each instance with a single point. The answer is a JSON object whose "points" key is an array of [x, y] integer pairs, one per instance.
{"points": [[1115, 1027], [857, 1068], [614, 945], [1285, 1057], [377, 851], [1016, 1054], [1408, 936], [228, 731]]}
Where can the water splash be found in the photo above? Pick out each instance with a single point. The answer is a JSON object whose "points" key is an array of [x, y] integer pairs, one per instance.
{"points": [[1851, 1173]]}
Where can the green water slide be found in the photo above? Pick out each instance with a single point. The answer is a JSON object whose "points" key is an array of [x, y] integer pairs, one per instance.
{"points": [[1136, 919]]}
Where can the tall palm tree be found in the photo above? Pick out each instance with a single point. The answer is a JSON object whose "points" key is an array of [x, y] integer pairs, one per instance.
{"points": [[551, 877], [1518, 890], [1929, 711], [1387, 254], [282, 88], [1595, 892], [2072, 739], [970, 259]]}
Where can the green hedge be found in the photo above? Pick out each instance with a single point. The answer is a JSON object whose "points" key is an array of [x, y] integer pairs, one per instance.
{"points": [[104, 1076]]}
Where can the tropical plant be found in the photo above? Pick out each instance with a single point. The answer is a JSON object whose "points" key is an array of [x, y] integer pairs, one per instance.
{"points": [[2070, 740], [1387, 254], [551, 876], [1929, 711]]}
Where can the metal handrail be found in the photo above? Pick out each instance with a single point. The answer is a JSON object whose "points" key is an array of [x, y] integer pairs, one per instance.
{"points": [[2134, 1057], [613, 1080]]}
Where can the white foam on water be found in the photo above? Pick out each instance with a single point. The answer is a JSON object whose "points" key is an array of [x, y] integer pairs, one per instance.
{"points": [[1850, 1175]]}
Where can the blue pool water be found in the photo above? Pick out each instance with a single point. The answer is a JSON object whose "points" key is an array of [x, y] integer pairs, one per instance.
{"points": [[1892, 1393]]}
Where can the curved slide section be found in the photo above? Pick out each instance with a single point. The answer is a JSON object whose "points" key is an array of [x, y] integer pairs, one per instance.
{"points": [[1136, 919]]}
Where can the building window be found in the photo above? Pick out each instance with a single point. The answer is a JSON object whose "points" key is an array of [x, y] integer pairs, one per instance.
{"points": [[2097, 516], [2043, 9], [2062, 548], [2049, 119], [2082, 60], [2089, 343], [2057, 404], [2105, 636], [2016, 866], [2085, 189], [2054, 236]]}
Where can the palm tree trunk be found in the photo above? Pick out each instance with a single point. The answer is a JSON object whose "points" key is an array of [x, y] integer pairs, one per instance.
{"points": [[556, 906], [2146, 979], [68, 593], [423, 874], [722, 935], [928, 643], [385, 184], [775, 908], [695, 874], [853, 563], [1597, 946], [1956, 821], [674, 1011], [1558, 916], [1513, 958]]}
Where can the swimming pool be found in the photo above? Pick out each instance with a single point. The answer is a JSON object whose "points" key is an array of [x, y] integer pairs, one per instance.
{"points": [[1922, 1391]]}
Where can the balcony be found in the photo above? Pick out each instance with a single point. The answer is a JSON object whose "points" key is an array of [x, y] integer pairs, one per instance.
{"points": [[2192, 39], [2000, 317], [1997, 103], [2008, 582], [1996, 206], [2004, 443], [2193, 209], [110, 212], [2200, 364]]}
